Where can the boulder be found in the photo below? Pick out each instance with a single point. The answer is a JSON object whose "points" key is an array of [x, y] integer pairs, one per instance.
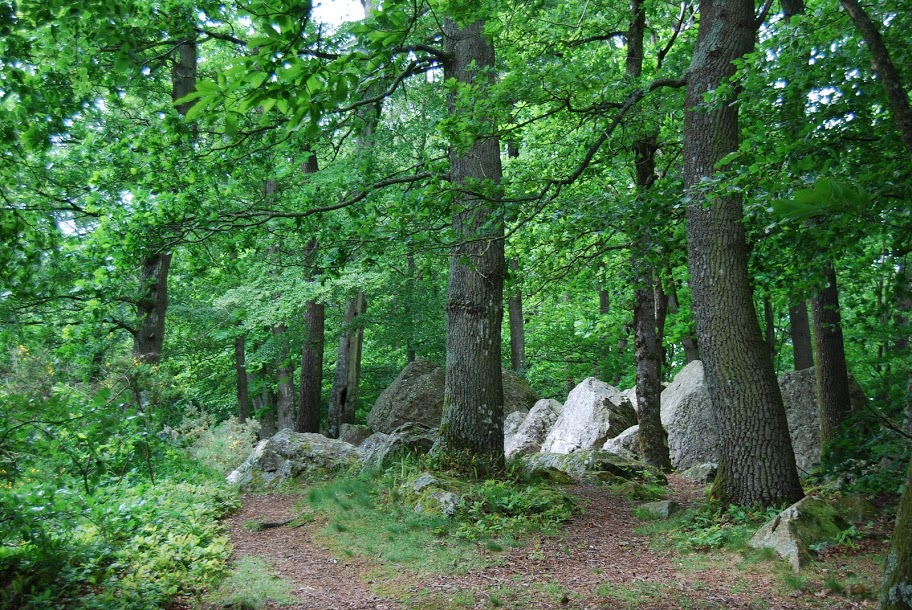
{"points": [[592, 466], [288, 455], [532, 430], [512, 423], [688, 416], [799, 394], [416, 395], [792, 532], [631, 395], [593, 413], [380, 448], [662, 509], [353, 433], [430, 494], [518, 394], [626, 444], [701, 473]]}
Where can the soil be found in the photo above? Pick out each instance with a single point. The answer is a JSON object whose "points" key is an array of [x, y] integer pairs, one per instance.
{"points": [[597, 563]]}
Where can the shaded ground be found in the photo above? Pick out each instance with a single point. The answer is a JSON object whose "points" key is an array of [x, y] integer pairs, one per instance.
{"points": [[598, 563]]}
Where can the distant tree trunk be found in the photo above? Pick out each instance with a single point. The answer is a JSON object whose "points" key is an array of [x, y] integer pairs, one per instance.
{"points": [[284, 372], [756, 457], [153, 274], [348, 367], [265, 403], [151, 308], [896, 591], [311, 369], [412, 279], [472, 427], [832, 372], [691, 348], [886, 71], [240, 370], [800, 332], [517, 326]]}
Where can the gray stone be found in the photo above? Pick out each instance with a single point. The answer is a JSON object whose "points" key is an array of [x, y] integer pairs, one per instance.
{"points": [[289, 455], [662, 509], [513, 421], [425, 479], [354, 433], [701, 473], [593, 413], [533, 429], [799, 395], [792, 532], [447, 502], [411, 437], [592, 466], [631, 395], [416, 395], [689, 419], [626, 444]]}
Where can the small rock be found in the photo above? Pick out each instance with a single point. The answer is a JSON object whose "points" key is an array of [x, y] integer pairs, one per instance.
{"points": [[701, 473], [663, 509]]}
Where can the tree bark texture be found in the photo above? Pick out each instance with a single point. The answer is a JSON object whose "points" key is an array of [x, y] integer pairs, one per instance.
{"points": [[311, 369], [284, 377], [151, 308], [348, 367], [517, 326], [472, 424], [896, 591], [653, 438], [755, 446], [832, 372], [886, 71], [240, 370], [800, 332]]}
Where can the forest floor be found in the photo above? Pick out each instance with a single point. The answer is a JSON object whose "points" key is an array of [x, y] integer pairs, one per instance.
{"points": [[599, 560]]}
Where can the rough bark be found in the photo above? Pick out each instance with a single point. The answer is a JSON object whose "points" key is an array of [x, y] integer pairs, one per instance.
{"points": [[151, 308], [344, 398], [755, 446], [886, 71], [896, 591], [284, 377], [240, 370], [311, 382], [517, 327], [800, 332], [653, 438], [472, 427], [832, 372]]}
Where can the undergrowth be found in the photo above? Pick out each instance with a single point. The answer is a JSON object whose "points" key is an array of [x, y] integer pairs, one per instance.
{"points": [[378, 514]]}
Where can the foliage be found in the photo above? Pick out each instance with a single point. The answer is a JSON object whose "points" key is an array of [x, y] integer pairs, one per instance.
{"points": [[250, 584], [711, 526], [224, 446]]}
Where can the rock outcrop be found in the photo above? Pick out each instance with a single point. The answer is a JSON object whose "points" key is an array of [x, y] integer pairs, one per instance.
{"points": [[593, 413], [626, 444], [353, 433], [592, 467], [689, 419], [416, 395], [289, 455], [533, 428], [792, 532], [411, 437]]}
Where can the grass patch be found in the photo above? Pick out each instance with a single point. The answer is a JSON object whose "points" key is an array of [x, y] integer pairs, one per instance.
{"points": [[633, 595], [252, 585]]}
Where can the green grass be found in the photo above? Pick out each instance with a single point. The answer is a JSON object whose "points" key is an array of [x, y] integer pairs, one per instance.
{"points": [[251, 585]]}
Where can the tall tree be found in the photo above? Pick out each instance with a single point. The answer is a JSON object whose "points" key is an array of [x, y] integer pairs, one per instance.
{"points": [[757, 463], [348, 366], [831, 369], [472, 426], [800, 332]]}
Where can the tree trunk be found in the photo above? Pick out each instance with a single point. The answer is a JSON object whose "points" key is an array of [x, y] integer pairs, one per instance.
{"points": [[348, 367], [800, 332], [151, 308], [311, 369], [832, 373], [472, 427], [284, 376], [886, 71], [755, 447], [896, 591], [517, 326], [240, 370]]}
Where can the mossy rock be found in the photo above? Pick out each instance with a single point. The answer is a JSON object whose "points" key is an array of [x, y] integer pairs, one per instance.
{"points": [[593, 466], [793, 532], [432, 493], [856, 508], [637, 491]]}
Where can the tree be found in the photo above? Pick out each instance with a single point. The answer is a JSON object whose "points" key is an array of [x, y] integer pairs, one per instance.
{"points": [[831, 370], [800, 332], [472, 426], [756, 459]]}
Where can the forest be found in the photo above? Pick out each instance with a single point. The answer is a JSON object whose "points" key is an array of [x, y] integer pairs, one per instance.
{"points": [[224, 219]]}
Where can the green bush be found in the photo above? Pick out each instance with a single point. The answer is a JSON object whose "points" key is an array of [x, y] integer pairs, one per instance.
{"points": [[225, 446]]}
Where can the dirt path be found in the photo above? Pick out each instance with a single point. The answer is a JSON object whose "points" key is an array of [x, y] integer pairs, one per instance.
{"points": [[320, 581], [599, 563]]}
